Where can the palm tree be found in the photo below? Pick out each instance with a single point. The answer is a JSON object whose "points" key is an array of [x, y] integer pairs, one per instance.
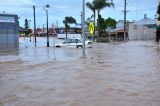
{"points": [[91, 6], [100, 5], [67, 21]]}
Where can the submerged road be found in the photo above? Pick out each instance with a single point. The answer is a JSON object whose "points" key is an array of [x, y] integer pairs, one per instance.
{"points": [[115, 74]]}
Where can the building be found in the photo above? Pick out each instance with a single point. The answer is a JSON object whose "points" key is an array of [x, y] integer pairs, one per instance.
{"points": [[72, 32], [139, 30], [22, 31], [9, 38], [118, 33]]}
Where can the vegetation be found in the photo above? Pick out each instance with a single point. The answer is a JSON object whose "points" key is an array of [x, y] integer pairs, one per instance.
{"points": [[104, 24], [103, 40], [26, 27], [91, 6], [100, 5], [110, 23], [67, 21]]}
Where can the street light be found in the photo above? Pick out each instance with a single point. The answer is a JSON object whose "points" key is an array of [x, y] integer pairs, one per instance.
{"points": [[29, 28], [45, 8], [34, 23]]}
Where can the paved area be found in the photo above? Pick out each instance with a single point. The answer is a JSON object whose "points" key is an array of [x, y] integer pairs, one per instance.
{"points": [[116, 74]]}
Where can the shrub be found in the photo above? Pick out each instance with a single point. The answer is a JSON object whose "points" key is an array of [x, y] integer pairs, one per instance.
{"points": [[103, 40]]}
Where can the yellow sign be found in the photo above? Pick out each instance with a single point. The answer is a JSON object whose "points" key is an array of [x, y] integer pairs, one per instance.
{"points": [[91, 28]]}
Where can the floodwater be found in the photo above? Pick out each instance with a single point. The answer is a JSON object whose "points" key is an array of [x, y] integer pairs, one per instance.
{"points": [[115, 74]]}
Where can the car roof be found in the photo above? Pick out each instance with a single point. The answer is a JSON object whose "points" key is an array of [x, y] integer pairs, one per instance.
{"points": [[76, 38]]}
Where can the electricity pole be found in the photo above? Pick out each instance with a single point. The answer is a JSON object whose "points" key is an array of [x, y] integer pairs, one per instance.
{"points": [[83, 29], [34, 24], [125, 12], [81, 23]]}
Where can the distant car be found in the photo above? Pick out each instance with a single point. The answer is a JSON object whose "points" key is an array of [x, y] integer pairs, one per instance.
{"points": [[74, 42]]}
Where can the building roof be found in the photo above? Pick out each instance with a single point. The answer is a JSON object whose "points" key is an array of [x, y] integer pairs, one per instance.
{"points": [[145, 21], [21, 29], [117, 30]]}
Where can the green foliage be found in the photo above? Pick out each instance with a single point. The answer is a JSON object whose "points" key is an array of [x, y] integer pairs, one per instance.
{"points": [[110, 23], [102, 24], [91, 6], [67, 21], [100, 5], [103, 40], [26, 25]]}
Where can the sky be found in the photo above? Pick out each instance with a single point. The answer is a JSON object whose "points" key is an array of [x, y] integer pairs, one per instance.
{"points": [[61, 8]]}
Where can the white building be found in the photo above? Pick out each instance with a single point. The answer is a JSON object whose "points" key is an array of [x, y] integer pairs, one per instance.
{"points": [[139, 30]]}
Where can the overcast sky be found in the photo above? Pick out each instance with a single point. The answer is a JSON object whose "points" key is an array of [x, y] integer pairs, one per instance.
{"points": [[61, 8]]}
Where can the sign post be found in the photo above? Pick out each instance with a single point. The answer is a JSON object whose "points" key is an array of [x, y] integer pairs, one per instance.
{"points": [[91, 28]]}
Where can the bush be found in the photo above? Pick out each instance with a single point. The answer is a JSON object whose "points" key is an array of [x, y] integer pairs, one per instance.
{"points": [[103, 40]]}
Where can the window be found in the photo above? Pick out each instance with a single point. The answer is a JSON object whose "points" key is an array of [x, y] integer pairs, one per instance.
{"points": [[8, 19]]}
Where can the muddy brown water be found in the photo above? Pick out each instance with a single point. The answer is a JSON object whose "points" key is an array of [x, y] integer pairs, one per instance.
{"points": [[116, 74]]}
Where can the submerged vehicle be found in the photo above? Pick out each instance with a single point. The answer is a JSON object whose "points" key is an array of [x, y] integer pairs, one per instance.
{"points": [[74, 42]]}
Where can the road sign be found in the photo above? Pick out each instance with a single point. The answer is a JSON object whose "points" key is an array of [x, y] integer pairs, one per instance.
{"points": [[91, 28]]}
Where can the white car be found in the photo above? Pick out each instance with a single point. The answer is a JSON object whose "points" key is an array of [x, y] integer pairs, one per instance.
{"points": [[74, 42]]}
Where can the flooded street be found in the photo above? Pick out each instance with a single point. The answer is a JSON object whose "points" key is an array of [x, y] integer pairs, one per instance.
{"points": [[115, 74]]}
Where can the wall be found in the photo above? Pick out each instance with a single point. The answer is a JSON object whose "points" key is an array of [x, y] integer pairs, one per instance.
{"points": [[8, 32], [140, 32]]}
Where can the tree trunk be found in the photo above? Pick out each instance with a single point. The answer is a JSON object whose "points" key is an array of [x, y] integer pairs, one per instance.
{"points": [[98, 23], [66, 33]]}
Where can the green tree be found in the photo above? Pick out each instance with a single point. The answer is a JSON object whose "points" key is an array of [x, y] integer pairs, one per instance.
{"points": [[67, 21], [158, 12], [26, 25], [110, 23], [100, 5], [102, 24]]}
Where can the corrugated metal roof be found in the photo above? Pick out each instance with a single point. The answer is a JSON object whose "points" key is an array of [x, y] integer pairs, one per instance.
{"points": [[145, 21]]}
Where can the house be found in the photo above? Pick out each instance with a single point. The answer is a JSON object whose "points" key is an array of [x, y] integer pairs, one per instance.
{"points": [[22, 31], [118, 33], [9, 38], [139, 30]]}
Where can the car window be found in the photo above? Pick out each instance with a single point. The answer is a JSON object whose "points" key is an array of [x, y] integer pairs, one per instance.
{"points": [[74, 41], [79, 41], [67, 41]]}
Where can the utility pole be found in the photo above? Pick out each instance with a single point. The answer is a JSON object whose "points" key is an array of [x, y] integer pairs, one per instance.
{"points": [[34, 24], [45, 8], [57, 23], [83, 29], [57, 31], [43, 30], [29, 28], [81, 23], [125, 12]]}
